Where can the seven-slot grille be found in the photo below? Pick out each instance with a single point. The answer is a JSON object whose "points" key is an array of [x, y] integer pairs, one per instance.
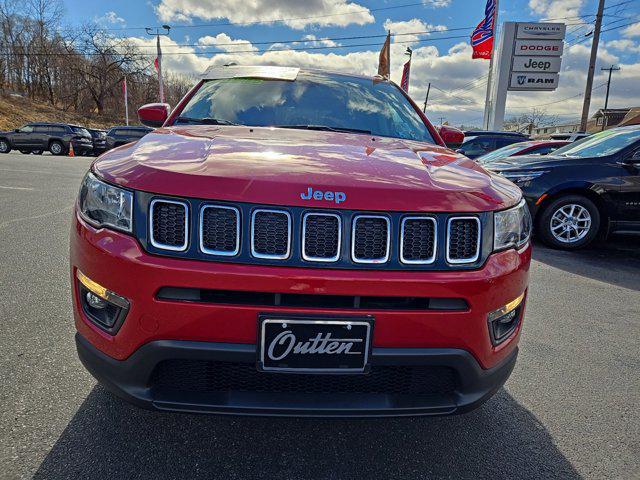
{"points": [[220, 230], [371, 238], [321, 234], [370, 242], [169, 225], [463, 245], [418, 240], [271, 234]]}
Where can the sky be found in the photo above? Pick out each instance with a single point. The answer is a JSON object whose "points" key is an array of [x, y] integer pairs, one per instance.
{"points": [[346, 35]]}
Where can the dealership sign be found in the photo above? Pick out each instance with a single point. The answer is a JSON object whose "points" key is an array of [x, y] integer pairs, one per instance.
{"points": [[536, 64], [534, 81], [529, 59], [535, 52]]}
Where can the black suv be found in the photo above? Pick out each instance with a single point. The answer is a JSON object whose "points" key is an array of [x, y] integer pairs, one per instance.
{"points": [[118, 136], [478, 142], [99, 138], [38, 137], [583, 189]]}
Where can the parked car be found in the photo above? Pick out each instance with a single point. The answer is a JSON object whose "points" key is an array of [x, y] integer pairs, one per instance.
{"points": [[295, 251], [38, 137], [118, 136], [533, 147], [99, 138], [479, 142], [571, 137], [583, 189]]}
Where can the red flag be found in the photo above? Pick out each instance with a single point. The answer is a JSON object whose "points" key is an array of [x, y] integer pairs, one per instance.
{"points": [[384, 60], [483, 35], [155, 64], [404, 83]]}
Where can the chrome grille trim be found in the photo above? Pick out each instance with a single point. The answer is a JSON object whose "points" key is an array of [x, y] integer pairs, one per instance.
{"points": [[253, 236], [304, 231], [223, 253], [353, 240], [435, 241], [180, 248], [469, 259]]}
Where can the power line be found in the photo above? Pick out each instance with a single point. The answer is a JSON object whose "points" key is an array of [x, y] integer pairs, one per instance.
{"points": [[266, 50]]}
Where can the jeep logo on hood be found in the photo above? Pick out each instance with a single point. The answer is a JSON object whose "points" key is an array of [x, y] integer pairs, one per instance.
{"points": [[312, 194]]}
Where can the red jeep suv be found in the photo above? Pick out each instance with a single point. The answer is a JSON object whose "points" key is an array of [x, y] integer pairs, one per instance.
{"points": [[297, 242]]}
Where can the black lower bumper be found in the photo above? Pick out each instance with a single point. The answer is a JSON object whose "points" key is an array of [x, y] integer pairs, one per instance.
{"points": [[133, 379]]}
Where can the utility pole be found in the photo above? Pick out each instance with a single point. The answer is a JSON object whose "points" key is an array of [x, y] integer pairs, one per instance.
{"points": [[592, 67], [611, 69], [158, 33], [426, 99]]}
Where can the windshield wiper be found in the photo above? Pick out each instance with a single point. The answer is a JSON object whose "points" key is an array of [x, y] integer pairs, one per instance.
{"points": [[325, 128], [204, 121]]}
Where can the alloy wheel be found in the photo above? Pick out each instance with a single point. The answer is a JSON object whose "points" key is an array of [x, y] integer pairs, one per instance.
{"points": [[570, 223]]}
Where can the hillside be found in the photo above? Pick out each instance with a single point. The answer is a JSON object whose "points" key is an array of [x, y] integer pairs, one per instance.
{"points": [[15, 111]]}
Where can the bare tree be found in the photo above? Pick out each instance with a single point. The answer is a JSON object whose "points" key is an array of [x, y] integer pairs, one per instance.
{"points": [[528, 121]]}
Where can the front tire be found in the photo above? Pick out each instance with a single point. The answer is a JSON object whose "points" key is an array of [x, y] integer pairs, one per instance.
{"points": [[56, 148], [4, 146], [569, 222]]}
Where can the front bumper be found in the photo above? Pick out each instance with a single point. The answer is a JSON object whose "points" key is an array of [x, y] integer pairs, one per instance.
{"points": [[156, 330], [134, 380]]}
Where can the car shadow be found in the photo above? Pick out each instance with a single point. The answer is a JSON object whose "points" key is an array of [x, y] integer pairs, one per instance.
{"points": [[108, 438], [616, 261]]}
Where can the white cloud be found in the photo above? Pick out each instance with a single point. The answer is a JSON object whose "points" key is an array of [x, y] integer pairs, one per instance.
{"points": [[314, 41], [623, 45], [556, 8], [225, 43], [437, 3], [109, 19], [403, 28], [632, 30], [328, 12]]}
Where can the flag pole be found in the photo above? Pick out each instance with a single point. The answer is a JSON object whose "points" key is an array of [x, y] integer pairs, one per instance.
{"points": [[126, 101], [488, 107]]}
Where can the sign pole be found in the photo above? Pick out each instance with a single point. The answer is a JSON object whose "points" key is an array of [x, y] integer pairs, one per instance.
{"points": [[488, 105]]}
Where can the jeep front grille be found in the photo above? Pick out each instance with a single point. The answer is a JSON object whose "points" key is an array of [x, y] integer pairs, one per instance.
{"points": [[418, 240], [301, 237], [169, 224], [370, 239], [321, 234], [463, 245], [271, 234], [220, 230]]}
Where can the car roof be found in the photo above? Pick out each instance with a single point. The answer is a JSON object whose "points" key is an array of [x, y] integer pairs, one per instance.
{"points": [[274, 72], [478, 133]]}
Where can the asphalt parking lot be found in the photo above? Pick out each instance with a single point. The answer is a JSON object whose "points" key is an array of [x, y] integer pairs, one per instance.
{"points": [[570, 409]]}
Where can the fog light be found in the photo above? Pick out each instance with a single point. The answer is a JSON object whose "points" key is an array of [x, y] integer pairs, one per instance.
{"points": [[95, 302], [504, 321], [103, 307]]}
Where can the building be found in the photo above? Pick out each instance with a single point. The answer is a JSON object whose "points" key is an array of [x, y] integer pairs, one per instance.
{"points": [[609, 118]]}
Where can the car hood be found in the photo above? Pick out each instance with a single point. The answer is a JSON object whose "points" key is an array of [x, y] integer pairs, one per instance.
{"points": [[526, 162], [276, 166]]}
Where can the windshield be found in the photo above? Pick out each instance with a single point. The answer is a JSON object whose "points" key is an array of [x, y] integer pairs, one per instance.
{"points": [[315, 101], [600, 144], [503, 152], [81, 131]]}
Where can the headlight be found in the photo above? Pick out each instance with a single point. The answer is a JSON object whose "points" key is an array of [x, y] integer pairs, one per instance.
{"points": [[522, 177], [512, 228], [104, 205]]}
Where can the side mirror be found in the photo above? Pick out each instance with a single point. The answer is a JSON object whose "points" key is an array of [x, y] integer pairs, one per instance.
{"points": [[451, 136], [154, 114]]}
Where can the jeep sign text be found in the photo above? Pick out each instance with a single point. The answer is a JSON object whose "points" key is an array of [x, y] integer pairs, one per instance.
{"points": [[312, 194]]}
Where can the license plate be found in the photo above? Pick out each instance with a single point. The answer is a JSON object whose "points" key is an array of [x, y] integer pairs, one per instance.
{"points": [[314, 345]]}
